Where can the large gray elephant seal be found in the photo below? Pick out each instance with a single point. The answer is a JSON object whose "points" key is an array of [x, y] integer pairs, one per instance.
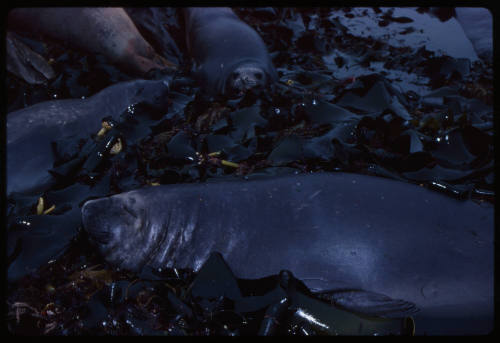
{"points": [[230, 57], [31, 130], [104, 30], [334, 231]]}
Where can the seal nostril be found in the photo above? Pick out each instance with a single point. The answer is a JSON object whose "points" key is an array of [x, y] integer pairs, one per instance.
{"points": [[101, 237], [235, 75]]}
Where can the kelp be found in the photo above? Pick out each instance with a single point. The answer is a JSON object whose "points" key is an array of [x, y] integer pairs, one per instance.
{"points": [[345, 101]]}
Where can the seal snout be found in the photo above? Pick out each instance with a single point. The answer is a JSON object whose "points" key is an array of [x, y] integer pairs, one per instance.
{"points": [[250, 77], [109, 221], [246, 77], [92, 220]]}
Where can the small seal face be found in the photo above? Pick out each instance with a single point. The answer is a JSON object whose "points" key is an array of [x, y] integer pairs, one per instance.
{"points": [[245, 77]]}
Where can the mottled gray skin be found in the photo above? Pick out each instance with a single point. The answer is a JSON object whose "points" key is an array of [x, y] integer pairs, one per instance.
{"points": [[230, 57], [31, 130], [333, 231], [477, 23], [104, 30]]}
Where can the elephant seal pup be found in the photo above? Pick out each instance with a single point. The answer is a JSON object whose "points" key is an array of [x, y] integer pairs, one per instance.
{"points": [[104, 30], [230, 57], [334, 231], [31, 130]]}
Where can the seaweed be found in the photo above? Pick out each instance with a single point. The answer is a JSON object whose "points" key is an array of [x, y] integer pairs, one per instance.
{"points": [[345, 101]]}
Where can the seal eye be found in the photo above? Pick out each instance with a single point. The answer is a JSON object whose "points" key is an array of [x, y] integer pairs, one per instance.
{"points": [[235, 75], [258, 76]]}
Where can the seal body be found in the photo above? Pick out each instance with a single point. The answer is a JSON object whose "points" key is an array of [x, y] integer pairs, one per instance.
{"points": [[230, 57], [477, 23], [31, 130], [104, 30], [333, 231]]}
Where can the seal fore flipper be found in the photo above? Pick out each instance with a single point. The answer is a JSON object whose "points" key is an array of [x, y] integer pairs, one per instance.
{"points": [[25, 63], [369, 303]]}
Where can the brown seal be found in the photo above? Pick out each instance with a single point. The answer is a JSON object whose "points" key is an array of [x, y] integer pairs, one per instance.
{"points": [[104, 30]]}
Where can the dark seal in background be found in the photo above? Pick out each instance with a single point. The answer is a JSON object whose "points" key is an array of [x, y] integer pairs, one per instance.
{"points": [[229, 55]]}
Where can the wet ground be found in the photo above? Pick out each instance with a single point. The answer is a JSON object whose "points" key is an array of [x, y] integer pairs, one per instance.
{"points": [[375, 91]]}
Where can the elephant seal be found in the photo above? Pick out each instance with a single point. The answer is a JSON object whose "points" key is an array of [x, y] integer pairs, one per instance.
{"points": [[31, 130], [104, 30], [477, 23], [230, 57], [334, 231]]}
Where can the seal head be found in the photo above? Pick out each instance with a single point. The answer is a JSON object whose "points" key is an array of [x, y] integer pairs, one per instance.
{"points": [[245, 77], [120, 227]]}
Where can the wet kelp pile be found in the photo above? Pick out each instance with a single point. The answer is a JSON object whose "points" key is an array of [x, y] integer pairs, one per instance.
{"points": [[376, 103]]}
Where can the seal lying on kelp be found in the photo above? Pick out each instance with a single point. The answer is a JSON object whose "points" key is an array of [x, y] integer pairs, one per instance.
{"points": [[333, 231], [477, 23], [104, 30], [31, 130], [230, 56]]}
